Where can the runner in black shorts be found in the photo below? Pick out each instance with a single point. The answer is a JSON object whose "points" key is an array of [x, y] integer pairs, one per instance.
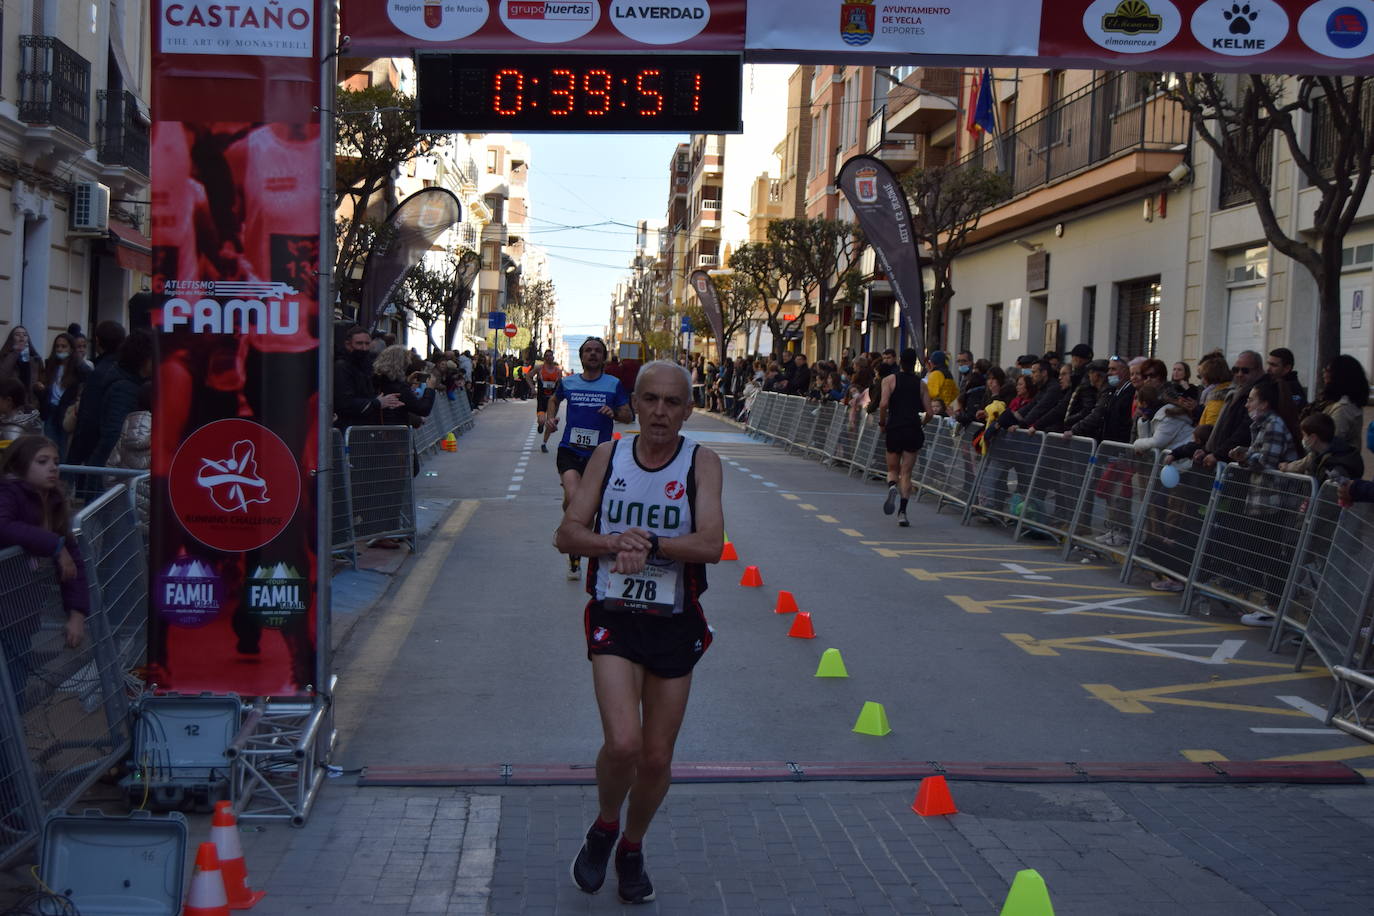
{"points": [[650, 516], [545, 381], [904, 401]]}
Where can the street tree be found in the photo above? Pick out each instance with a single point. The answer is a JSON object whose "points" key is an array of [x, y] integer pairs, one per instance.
{"points": [[737, 298], [764, 271], [946, 203], [1239, 117], [532, 308], [375, 134], [821, 257]]}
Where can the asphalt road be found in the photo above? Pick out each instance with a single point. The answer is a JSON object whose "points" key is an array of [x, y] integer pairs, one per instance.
{"points": [[979, 649]]}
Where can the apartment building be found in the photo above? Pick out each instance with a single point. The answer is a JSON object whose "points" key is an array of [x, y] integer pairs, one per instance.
{"points": [[74, 151]]}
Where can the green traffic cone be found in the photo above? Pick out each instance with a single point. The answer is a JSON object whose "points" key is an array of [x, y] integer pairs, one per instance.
{"points": [[872, 720], [1028, 896], [831, 664]]}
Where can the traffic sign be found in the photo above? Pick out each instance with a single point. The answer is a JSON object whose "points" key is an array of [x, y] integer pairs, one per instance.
{"points": [[511, 329], [496, 320], [686, 324]]}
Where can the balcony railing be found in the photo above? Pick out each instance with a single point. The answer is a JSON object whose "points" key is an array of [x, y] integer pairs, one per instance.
{"points": [[930, 81], [54, 85], [123, 136], [1231, 193], [1323, 140], [706, 261], [1117, 114]]}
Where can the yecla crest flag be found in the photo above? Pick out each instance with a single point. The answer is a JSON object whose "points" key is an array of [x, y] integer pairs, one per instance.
{"points": [[885, 216]]}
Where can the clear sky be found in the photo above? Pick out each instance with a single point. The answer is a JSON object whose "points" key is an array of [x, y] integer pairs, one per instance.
{"points": [[602, 182]]}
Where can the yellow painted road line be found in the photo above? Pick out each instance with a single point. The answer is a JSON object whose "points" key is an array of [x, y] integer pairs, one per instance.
{"points": [[1135, 701], [806, 507], [1339, 753], [829, 519], [1202, 755], [940, 547], [792, 496], [968, 604], [1047, 647], [851, 532], [990, 575], [372, 666]]}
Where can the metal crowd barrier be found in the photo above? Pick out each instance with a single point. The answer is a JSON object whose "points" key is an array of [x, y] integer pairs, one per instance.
{"points": [[342, 540], [1261, 541], [381, 483], [64, 711]]}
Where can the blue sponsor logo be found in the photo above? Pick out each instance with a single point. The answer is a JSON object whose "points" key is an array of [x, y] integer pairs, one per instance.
{"points": [[1347, 27]]}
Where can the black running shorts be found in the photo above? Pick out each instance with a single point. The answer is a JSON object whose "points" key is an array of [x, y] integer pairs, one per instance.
{"points": [[905, 439], [541, 400], [569, 460], [667, 647]]}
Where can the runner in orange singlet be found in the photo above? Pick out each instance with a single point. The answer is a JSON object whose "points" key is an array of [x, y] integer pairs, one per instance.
{"points": [[549, 374]]}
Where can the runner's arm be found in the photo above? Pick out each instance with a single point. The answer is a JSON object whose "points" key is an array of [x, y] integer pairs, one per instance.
{"points": [[575, 535], [889, 385], [551, 414], [705, 543]]}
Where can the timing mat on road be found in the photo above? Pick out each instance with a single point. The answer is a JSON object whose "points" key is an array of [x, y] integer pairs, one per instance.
{"points": [[1213, 771]]}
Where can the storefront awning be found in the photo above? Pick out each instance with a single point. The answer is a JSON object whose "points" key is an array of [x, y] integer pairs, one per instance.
{"points": [[132, 249]]}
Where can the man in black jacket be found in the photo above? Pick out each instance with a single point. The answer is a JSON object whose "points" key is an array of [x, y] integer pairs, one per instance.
{"points": [[1279, 366], [356, 401], [1232, 428], [109, 336], [1110, 419], [1048, 394]]}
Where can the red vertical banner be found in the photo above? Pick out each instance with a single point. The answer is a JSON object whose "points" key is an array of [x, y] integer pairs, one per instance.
{"points": [[236, 217]]}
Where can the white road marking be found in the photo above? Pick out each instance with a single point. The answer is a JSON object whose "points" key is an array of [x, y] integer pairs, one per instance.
{"points": [[1299, 731], [1116, 604], [1221, 653], [513, 487], [1307, 706], [1026, 573]]}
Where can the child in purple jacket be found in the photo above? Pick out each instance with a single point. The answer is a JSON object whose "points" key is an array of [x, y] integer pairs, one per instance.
{"points": [[36, 516]]}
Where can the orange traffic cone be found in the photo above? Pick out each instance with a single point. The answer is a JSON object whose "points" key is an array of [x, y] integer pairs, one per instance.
{"points": [[752, 579], [801, 626], [207, 897], [786, 604], [933, 798], [728, 552], [224, 832]]}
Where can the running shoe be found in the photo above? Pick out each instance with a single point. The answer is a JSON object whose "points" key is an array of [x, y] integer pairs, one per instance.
{"points": [[890, 504], [574, 568], [901, 520], [635, 886], [588, 870], [1257, 619], [544, 447], [1165, 584]]}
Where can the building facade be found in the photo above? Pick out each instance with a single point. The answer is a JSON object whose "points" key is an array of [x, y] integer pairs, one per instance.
{"points": [[74, 149]]}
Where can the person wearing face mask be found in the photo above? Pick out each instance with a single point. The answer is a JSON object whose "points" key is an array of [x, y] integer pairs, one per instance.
{"points": [[1327, 457], [963, 365], [19, 360], [59, 388], [356, 400], [1112, 417]]}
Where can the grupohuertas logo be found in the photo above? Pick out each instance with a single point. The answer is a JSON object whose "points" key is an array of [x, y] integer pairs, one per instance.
{"points": [[1239, 28], [188, 593], [1131, 17], [1132, 26], [275, 594]]}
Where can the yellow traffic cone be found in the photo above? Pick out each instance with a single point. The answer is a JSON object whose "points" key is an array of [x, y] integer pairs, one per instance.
{"points": [[1028, 896], [831, 664], [872, 720]]}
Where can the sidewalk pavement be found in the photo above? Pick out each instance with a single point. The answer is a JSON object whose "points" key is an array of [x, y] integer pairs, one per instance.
{"points": [[823, 848]]}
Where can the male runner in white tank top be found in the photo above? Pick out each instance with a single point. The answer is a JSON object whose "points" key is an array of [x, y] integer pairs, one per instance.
{"points": [[650, 525]]}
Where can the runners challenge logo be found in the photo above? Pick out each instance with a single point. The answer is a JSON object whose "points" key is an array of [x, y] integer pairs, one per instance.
{"points": [[234, 485], [674, 489]]}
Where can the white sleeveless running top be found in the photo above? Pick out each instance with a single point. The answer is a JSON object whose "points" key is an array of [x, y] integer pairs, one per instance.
{"points": [[660, 501]]}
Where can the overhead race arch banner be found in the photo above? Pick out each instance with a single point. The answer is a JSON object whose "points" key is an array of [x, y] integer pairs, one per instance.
{"points": [[1269, 36], [236, 215]]}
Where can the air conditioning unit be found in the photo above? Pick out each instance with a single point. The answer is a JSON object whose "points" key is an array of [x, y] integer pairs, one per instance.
{"points": [[90, 208]]}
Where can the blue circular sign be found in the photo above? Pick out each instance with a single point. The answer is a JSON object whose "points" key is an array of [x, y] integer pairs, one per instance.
{"points": [[1347, 27]]}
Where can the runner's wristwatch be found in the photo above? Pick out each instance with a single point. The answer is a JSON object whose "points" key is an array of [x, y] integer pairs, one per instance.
{"points": [[653, 545]]}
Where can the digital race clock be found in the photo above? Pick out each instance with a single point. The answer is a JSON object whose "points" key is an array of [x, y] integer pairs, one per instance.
{"points": [[616, 93]]}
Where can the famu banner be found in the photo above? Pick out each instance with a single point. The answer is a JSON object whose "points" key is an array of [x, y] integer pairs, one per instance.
{"points": [[710, 302], [236, 216], [881, 207]]}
